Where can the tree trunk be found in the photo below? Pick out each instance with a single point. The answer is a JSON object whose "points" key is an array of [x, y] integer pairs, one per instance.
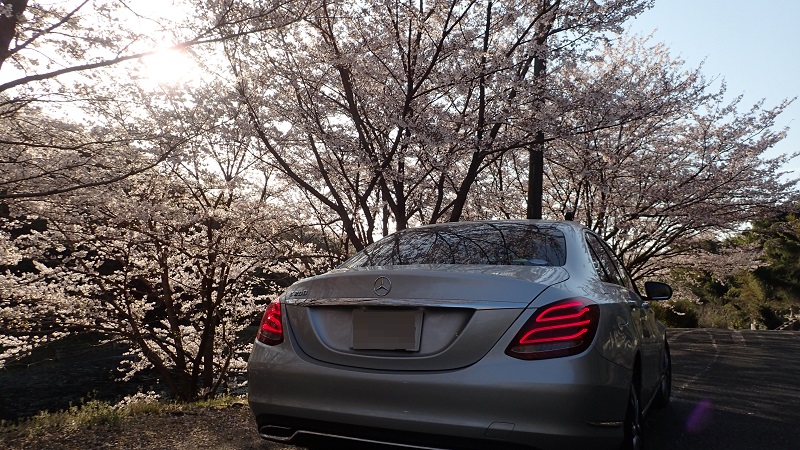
{"points": [[8, 26]]}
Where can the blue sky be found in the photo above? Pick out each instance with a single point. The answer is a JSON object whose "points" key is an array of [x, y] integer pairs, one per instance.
{"points": [[753, 45]]}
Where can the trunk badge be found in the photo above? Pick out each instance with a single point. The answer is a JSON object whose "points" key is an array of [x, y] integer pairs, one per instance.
{"points": [[382, 286]]}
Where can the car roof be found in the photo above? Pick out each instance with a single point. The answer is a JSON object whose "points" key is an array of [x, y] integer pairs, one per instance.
{"points": [[561, 224]]}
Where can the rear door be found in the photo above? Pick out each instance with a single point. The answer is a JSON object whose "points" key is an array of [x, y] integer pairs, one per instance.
{"points": [[642, 315]]}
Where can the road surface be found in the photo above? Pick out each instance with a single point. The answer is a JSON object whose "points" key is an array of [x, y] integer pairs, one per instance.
{"points": [[732, 390]]}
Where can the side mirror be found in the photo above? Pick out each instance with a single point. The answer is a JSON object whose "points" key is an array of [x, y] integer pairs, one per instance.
{"points": [[657, 291]]}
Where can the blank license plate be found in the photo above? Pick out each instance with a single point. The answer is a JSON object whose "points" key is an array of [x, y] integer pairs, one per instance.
{"points": [[386, 330]]}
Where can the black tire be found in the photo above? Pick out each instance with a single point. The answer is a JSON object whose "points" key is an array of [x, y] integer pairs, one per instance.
{"points": [[664, 393], [633, 423]]}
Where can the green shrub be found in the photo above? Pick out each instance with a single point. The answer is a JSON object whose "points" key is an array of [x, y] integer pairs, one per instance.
{"points": [[676, 313], [99, 413]]}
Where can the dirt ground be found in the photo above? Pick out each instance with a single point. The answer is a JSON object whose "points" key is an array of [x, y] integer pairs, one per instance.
{"points": [[230, 428], [78, 369]]}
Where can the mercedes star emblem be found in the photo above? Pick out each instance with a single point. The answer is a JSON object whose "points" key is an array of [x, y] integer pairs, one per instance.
{"points": [[382, 286]]}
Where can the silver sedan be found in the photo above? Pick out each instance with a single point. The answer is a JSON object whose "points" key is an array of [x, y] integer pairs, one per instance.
{"points": [[502, 334]]}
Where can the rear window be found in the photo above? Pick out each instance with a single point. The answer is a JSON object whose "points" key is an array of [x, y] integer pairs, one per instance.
{"points": [[467, 243]]}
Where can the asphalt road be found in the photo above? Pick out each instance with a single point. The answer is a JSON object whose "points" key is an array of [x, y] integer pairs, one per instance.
{"points": [[732, 390]]}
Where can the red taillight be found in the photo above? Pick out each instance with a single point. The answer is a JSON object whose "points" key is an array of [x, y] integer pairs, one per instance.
{"points": [[563, 328], [270, 331]]}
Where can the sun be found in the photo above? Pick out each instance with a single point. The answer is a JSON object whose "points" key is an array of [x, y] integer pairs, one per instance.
{"points": [[169, 67]]}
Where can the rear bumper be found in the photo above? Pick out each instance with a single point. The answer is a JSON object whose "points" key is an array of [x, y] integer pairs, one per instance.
{"points": [[563, 403], [302, 431]]}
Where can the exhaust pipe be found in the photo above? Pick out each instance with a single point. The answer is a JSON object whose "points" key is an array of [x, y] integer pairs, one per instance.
{"points": [[277, 433]]}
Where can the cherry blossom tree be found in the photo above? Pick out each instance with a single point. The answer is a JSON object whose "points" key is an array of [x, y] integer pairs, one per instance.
{"points": [[156, 229], [387, 113], [53, 55], [396, 113], [47, 40], [176, 262], [662, 184]]}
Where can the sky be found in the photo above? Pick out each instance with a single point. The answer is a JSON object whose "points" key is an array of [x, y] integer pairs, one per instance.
{"points": [[753, 45]]}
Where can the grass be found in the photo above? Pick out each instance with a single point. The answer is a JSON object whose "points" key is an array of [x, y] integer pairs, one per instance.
{"points": [[99, 413]]}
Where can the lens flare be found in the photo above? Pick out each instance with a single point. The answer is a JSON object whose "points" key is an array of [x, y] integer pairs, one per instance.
{"points": [[700, 418]]}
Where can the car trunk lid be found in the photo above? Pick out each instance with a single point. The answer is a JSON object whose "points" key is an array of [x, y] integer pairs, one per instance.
{"points": [[411, 317]]}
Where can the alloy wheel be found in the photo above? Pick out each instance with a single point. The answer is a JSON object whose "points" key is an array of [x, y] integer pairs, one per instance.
{"points": [[633, 423]]}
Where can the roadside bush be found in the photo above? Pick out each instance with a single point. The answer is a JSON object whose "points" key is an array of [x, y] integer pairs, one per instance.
{"points": [[726, 316], [676, 313]]}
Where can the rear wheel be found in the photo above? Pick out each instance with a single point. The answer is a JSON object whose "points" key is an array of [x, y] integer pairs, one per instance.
{"points": [[633, 422], [665, 388]]}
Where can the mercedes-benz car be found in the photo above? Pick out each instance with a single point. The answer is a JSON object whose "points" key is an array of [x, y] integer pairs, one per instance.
{"points": [[476, 335]]}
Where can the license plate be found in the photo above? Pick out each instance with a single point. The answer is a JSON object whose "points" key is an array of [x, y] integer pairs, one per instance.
{"points": [[386, 330]]}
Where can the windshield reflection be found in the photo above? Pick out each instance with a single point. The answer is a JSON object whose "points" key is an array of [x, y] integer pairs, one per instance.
{"points": [[467, 243]]}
